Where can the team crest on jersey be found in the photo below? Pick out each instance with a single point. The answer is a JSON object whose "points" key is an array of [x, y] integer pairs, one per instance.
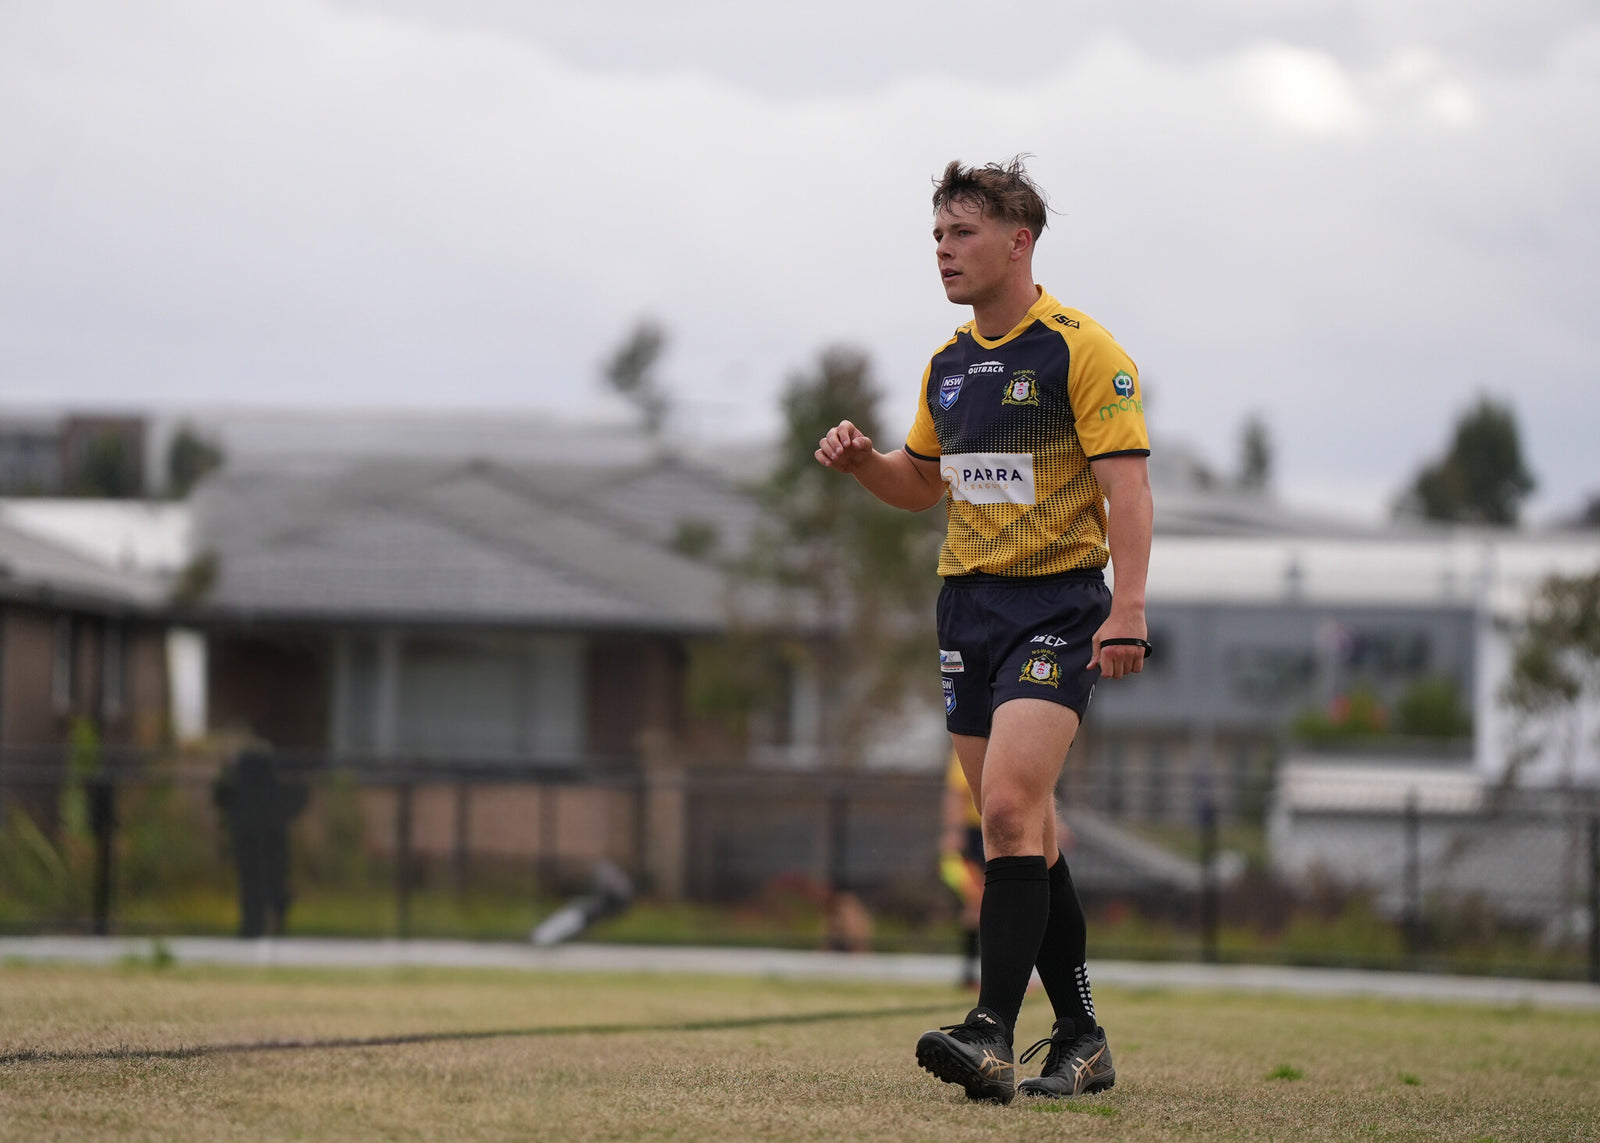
{"points": [[950, 389], [1022, 389], [1123, 384], [949, 695], [1042, 667]]}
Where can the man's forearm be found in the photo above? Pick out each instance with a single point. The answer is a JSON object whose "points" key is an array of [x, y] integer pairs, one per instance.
{"points": [[898, 480], [1130, 518]]}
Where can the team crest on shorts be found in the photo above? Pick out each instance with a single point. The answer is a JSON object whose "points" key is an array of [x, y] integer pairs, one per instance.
{"points": [[950, 389], [949, 695], [1042, 667], [1022, 389]]}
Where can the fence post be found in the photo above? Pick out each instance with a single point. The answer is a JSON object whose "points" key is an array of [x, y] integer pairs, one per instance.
{"points": [[103, 824], [838, 818], [402, 859], [458, 854], [549, 822], [1412, 883], [1594, 899], [1208, 881]]}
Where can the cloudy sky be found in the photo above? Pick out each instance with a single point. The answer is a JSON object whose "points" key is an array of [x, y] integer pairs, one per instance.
{"points": [[1349, 217]]}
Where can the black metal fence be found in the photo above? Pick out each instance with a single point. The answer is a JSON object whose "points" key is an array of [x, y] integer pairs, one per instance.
{"points": [[159, 843]]}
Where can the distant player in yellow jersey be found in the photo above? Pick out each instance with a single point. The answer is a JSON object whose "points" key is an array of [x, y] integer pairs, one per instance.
{"points": [[1030, 427], [961, 861]]}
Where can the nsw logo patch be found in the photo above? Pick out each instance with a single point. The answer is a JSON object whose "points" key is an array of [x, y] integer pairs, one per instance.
{"points": [[949, 695], [1041, 667], [950, 389]]}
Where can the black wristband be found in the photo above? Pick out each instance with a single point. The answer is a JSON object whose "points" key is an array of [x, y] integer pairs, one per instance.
{"points": [[1148, 650]]}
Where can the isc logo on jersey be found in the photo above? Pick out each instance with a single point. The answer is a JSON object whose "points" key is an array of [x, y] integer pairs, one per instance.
{"points": [[989, 477]]}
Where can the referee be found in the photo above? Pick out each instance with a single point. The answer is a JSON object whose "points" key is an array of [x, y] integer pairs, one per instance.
{"points": [[1030, 427]]}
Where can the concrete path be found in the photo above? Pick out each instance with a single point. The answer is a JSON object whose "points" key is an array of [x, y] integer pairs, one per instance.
{"points": [[791, 964]]}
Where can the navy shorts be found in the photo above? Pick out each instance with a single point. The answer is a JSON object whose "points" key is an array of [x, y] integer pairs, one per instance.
{"points": [[1002, 638]]}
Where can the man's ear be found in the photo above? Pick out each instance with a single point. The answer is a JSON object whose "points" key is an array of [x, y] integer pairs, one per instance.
{"points": [[1021, 243]]}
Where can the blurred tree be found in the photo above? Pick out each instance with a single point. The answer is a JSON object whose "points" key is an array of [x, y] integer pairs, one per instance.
{"points": [[189, 457], [1481, 479], [865, 570], [109, 470], [1255, 455], [1555, 661], [631, 371]]}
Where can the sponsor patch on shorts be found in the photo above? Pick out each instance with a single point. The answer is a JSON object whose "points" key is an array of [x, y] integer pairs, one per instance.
{"points": [[950, 662]]}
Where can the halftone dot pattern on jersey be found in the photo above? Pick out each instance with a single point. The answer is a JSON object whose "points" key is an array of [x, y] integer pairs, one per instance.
{"points": [[984, 402]]}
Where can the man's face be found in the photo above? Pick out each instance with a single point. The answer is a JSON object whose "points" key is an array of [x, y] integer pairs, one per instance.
{"points": [[975, 252]]}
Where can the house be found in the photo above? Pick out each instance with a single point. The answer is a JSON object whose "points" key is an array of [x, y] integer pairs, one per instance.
{"points": [[1252, 632], [82, 645], [1420, 838]]}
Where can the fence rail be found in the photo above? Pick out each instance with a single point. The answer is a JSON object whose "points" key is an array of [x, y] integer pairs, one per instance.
{"points": [[131, 841]]}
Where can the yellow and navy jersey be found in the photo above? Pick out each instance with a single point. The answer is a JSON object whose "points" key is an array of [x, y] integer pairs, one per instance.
{"points": [[1013, 424], [955, 778]]}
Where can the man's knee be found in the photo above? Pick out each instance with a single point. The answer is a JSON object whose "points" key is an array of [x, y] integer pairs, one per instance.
{"points": [[1010, 823]]}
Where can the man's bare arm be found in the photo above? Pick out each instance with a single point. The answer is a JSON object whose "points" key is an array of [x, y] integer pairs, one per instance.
{"points": [[1130, 515], [897, 478]]}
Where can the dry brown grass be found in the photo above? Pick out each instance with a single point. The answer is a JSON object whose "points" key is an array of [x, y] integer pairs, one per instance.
{"points": [[1191, 1066]]}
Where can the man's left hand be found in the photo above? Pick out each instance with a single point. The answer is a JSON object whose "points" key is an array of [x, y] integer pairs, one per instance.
{"points": [[1121, 658]]}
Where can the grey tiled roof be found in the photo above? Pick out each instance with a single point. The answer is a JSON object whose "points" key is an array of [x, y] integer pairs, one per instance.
{"points": [[468, 543]]}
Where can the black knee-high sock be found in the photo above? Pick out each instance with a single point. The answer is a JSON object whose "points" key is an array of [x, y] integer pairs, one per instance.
{"points": [[1063, 953], [1011, 923]]}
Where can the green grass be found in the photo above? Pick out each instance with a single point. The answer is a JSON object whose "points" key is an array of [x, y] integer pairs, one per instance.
{"points": [[122, 1053]]}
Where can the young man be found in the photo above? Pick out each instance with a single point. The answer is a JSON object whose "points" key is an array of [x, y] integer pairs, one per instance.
{"points": [[1031, 423]]}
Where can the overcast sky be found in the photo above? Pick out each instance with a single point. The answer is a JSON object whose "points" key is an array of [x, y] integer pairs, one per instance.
{"points": [[1349, 217]]}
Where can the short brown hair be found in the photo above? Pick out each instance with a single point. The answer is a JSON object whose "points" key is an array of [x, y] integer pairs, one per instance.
{"points": [[995, 189]]}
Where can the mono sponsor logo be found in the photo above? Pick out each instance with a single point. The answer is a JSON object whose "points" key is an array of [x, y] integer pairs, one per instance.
{"points": [[1122, 383], [987, 367], [989, 478], [1127, 404], [950, 662], [950, 389]]}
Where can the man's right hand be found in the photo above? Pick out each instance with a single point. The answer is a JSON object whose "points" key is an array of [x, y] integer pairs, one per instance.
{"points": [[844, 449]]}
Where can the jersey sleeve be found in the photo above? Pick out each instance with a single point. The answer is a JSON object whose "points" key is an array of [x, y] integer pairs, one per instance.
{"points": [[922, 441], [1107, 400]]}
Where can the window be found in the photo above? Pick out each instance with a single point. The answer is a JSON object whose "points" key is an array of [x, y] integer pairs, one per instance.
{"points": [[1265, 673]]}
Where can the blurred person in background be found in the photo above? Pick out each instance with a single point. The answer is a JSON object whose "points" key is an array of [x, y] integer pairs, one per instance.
{"points": [[1030, 428], [961, 861]]}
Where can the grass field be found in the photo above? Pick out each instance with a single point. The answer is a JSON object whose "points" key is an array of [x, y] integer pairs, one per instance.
{"points": [[181, 1053]]}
